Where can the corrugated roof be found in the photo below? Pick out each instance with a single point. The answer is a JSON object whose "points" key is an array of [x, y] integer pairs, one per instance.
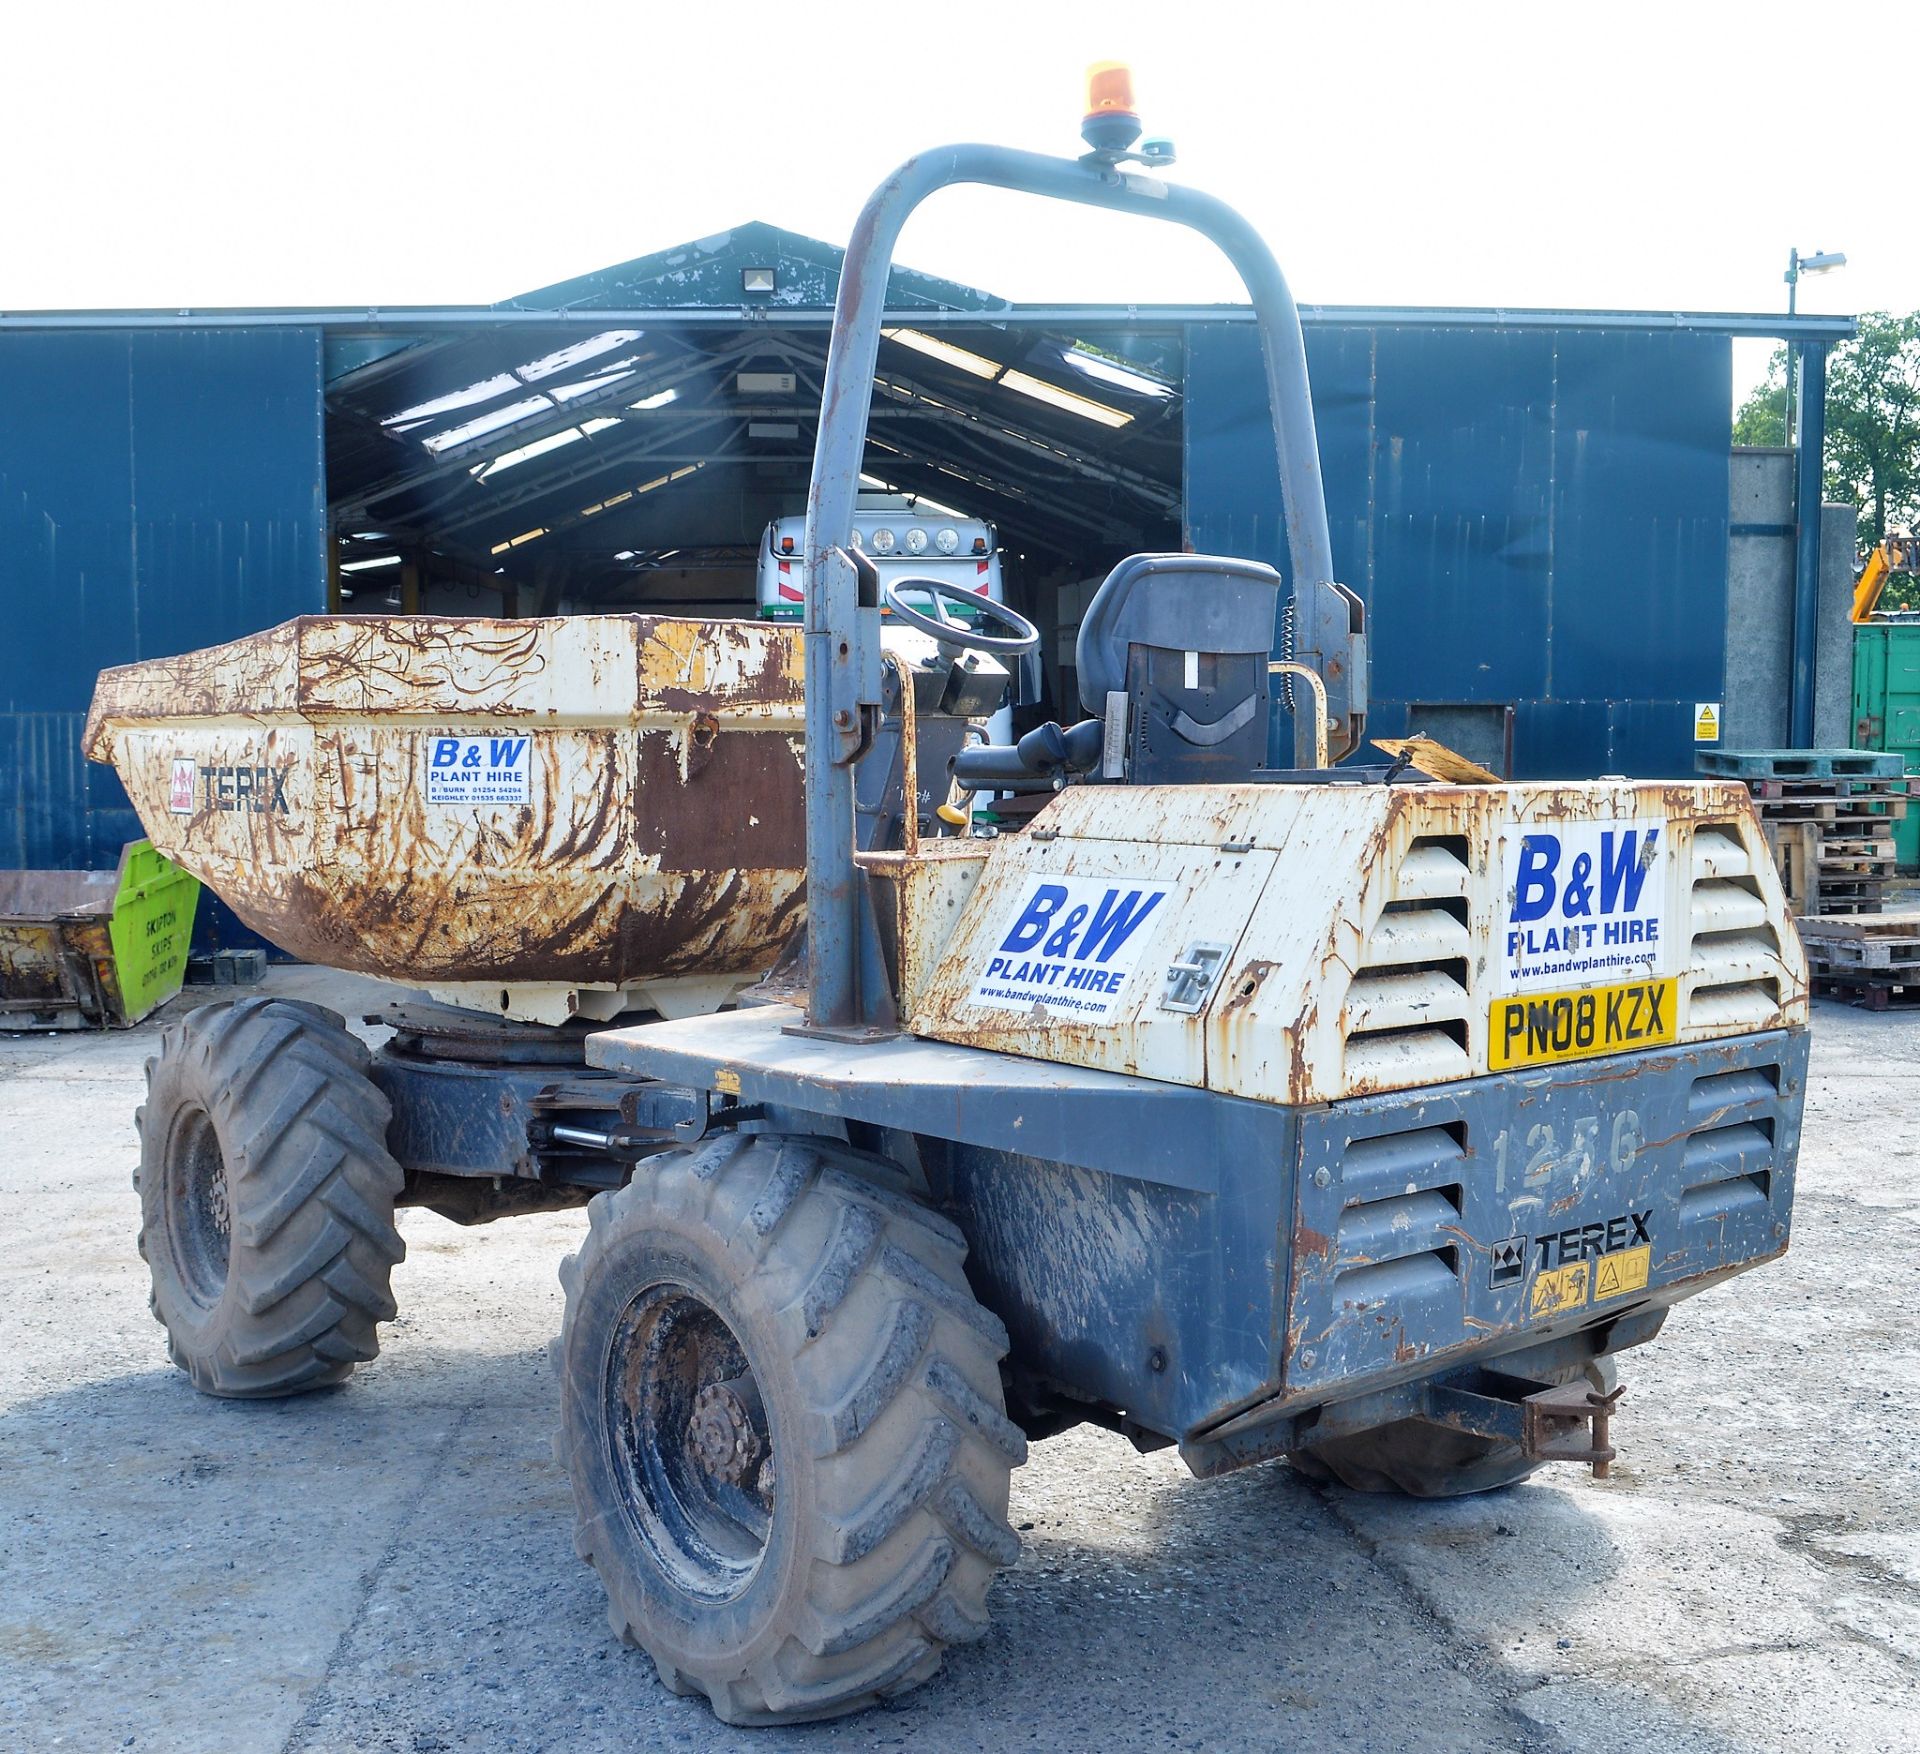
{"points": [[502, 445], [586, 427]]}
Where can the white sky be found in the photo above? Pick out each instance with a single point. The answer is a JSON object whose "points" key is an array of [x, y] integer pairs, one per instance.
{"points": [[1609, 155]]}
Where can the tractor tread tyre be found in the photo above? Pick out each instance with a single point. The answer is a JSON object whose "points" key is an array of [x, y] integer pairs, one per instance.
{"points": [[1417, 1458], [880, 1375], [308, 1194]]}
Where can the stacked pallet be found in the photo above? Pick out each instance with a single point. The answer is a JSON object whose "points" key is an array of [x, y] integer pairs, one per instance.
{"points": [[1828, 816], [1865, 959]]}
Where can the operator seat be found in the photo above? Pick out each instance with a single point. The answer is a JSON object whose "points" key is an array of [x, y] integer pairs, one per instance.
{"points": [[1172, 660], [1186, 639]]}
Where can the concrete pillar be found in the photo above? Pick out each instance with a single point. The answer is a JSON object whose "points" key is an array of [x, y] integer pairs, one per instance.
{"points": [[1760, 562], [1833, 676]]}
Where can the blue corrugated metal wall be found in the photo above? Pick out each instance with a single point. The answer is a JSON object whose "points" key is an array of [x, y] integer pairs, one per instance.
{"points": [[158, 491], [1533, 517]]}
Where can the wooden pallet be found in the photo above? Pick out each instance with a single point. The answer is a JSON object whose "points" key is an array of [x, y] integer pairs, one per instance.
{"points": [[1848, 846], [1862, 796], [1851, 944], [1825, 872], [1866, 992], [1839, 812], [1792, 765]]}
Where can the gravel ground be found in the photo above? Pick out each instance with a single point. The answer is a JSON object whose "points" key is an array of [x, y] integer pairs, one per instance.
{"points": [[389, 1566]]}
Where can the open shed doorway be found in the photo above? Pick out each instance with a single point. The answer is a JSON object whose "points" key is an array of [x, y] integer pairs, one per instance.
{"points": [[638, 463]]}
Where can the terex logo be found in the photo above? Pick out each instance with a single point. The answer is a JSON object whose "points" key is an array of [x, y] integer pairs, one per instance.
{"points": [[1069, 945], [1586, 1242], [258, 789]]}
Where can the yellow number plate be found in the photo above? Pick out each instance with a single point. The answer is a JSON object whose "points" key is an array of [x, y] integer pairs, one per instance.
{"points": [[1540, 1029]]}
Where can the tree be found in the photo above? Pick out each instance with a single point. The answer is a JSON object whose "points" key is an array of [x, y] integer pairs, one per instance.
{"points": [[1762, 418], [1873, 421]]}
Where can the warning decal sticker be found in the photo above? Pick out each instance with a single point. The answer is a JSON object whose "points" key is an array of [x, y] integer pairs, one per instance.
{"points": [[1610, 1257], [1068, 945], [480, 770], [1562, 1289], [1616, 1275]]}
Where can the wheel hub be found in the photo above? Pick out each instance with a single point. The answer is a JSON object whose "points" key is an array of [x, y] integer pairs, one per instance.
{"points": [[726, 1432], [689, 1441], [199, 1212]]}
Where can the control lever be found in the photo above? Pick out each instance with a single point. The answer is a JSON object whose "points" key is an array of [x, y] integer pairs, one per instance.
{"points": [[1042, 756]]}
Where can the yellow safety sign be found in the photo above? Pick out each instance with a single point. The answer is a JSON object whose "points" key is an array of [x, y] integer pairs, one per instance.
{"points": [[1562, 1288], [1616, 1275], [1706, 721]]}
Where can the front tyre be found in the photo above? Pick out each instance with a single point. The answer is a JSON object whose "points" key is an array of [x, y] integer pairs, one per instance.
{"points": [[783, 1423], [266, 1198]]}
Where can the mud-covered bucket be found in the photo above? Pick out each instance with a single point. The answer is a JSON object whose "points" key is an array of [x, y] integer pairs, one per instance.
{"points": [[541, 818]]}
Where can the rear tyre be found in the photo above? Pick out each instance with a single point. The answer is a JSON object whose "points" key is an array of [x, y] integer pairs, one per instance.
{"points": [[266, 1198], [783, 1423], [1414, 1457]]}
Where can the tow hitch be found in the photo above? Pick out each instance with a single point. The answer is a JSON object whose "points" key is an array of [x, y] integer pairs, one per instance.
{"points": [[1569, 1422]]}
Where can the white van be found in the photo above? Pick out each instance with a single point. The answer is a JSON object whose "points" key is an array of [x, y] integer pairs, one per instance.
{"points": [[904, 541], [901, 539]]}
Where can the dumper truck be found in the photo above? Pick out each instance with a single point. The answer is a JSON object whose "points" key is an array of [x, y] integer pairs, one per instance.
{"points": [[1300, 1108]]}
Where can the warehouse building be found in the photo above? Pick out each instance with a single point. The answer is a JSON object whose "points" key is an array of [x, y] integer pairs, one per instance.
{"points": [[1562, 560]]}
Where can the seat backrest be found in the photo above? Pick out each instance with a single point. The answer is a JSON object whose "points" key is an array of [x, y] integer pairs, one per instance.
{"points": [[1185, 639], [1177, 603]]}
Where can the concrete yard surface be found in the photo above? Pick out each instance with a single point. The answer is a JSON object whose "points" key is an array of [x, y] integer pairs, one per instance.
{"points": [[389, 1566]]}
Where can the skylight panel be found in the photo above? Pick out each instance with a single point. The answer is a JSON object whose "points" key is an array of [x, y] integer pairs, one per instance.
{"points": [[579, 352], [482, 424], [1055, 397], [945, 352], [1110, 372], [483, 391], [591, 386], [538, 448]]}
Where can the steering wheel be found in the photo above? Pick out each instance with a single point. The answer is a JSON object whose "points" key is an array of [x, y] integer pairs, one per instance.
{"points": [[1022, 635]]}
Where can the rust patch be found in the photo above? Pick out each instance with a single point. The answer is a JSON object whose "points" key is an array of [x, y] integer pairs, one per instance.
{"points": [[705, 666], [1249, 984], [739, 802], [1311, 1244], [421, 664]]}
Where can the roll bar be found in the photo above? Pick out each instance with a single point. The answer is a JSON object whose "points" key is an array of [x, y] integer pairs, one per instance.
{"points": [[848, 994]]}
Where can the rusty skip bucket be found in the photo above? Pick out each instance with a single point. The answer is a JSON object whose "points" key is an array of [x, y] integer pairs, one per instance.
{"points": [[538, 818], [94, 949]]}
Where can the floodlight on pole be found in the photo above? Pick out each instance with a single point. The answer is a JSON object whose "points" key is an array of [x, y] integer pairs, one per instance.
{"points": [[1819, 262]]}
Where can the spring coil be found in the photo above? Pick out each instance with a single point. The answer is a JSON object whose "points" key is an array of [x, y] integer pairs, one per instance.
{"points": [[1286, 651]]}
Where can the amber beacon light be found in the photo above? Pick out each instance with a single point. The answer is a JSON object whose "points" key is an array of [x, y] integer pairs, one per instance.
{"points": [[1112, 122]]}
